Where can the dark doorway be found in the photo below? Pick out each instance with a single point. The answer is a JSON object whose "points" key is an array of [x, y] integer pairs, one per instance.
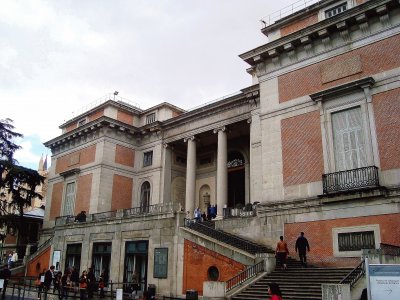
{"points": [[135, 272], [73, 257], [236, 180]]}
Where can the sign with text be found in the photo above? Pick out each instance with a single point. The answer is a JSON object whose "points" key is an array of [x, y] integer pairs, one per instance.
{"points": [[384, 282], [160, 263]]}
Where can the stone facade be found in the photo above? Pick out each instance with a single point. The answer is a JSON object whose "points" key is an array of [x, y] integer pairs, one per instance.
{"points": [[307, 142]]}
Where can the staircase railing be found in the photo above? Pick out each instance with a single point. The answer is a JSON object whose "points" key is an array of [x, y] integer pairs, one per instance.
{"points": [[40, 248], [227, 238], [244, 276], [354, 275]]}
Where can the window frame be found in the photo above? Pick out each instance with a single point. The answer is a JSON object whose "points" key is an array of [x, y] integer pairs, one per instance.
{"points": [[150, 118], [65, 197], [335, 238], [322, 12], [145, 161]]}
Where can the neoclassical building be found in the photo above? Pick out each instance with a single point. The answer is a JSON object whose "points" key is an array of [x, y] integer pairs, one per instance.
{"points": [[313, 145]]}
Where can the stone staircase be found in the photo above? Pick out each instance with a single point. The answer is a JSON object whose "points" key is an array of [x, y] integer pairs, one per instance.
{"points": [[208, 228], [296, 283]]}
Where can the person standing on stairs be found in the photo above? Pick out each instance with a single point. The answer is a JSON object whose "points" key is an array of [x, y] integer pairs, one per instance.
{"points": [[303, 246], [274, 290], [282, 252]]}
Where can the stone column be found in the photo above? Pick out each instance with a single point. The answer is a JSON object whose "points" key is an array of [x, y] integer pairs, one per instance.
{"points": [[190, 175], [166, 178], [222, 170]]}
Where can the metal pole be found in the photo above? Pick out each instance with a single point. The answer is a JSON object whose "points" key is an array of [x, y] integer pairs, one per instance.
{"points": [[367, 277]]}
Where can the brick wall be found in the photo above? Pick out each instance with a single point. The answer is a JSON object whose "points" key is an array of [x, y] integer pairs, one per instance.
{"points": [[285, 30], [387, 112], [309, 80], [56, 200], [124, 156], [125, 117], [71, 127], [319, 235], [75, 159], [95, 115], [196, 262], [302, 149], [121, 192], [36, 265], [83, 192]]}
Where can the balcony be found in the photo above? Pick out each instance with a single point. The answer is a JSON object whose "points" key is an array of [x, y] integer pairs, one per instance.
{"points": [[350, 180]]}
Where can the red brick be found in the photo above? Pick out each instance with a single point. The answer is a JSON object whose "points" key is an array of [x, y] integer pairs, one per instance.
{"points": [[83, 192], [76, 159], [124, 156], [302, 149], [121, 192], [292, 27], [56, 200]]}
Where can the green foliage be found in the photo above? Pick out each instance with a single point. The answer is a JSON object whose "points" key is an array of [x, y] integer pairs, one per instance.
{"points": [[17, 183]]}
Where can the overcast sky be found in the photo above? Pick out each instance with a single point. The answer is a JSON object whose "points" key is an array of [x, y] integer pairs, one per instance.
{"points": [[59, 56]]}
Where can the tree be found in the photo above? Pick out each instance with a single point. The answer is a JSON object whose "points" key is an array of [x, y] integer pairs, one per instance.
{"points": [[17, 183]]}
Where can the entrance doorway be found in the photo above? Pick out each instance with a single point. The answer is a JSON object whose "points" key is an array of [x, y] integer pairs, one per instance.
{"points": [[135, 273], [236, 180], [101, 259]]}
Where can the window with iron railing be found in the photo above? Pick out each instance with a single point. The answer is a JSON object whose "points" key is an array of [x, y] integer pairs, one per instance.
{"points": [[355, 241]]}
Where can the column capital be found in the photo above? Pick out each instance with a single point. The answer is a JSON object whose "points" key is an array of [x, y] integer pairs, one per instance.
{"points": [[190, 138], [167, 146], [222, 128]]}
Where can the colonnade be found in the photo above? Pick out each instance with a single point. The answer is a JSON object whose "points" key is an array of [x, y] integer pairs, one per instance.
{"points": [[222, 172]]}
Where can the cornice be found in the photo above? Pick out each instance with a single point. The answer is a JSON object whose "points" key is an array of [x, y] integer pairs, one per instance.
{"points": [[321, 30]]}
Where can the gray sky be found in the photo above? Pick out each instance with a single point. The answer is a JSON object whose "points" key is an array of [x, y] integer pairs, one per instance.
{"points": [[59, 56]]}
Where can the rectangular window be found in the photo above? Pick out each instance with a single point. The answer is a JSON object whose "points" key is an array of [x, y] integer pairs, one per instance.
{"points": [[101, 258], [73, 257], [355, 241], [147, 158], [69, 203], [348, 140], [336, 10], [150, 118]]}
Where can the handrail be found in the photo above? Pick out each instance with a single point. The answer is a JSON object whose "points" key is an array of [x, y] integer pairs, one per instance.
{"points": [[227, 238], [354, 275], [243, 276], [40, 248]]}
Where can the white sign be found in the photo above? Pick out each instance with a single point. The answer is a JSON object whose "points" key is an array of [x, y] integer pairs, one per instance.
{"points": [[384, 282], [119, 294], [1, 283]]}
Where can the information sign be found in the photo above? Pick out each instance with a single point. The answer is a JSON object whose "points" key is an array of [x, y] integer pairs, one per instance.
{"points": [[160, 262], [384, 282]]}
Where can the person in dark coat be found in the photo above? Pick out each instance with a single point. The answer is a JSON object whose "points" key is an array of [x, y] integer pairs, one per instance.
{"points": [[91, 283], [49, 278], [5, 274], [303, 246]]}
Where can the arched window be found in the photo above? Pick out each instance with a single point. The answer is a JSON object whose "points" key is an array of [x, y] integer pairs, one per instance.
{"points": [[235, 159], [145, 197]]}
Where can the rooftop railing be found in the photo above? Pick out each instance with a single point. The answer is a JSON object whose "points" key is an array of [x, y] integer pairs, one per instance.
{"points": [[286, 11]]}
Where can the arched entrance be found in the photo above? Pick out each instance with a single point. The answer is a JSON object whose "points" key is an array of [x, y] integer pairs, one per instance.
{"points": [[236, 179]]}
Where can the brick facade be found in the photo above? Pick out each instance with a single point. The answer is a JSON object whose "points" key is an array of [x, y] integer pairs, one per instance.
{"points": [[302, 149], [76, 159], [309, 80], [39, 263], [197, 261], [56, 200], [83, 192], [124, 156], [303, 23], [121, 192], [319, 235], [125, 117], [95, 115], [387, 112]]}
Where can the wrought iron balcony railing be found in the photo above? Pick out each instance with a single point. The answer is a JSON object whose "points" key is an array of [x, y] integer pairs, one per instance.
{"points": [[366, 177]]}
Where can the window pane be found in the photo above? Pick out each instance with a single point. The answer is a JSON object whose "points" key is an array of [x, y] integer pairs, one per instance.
{"points": [[69, 199]]}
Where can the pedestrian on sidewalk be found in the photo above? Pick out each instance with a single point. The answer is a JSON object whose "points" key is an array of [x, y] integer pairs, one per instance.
{"points": [[282, 252], [274, 290], [302, 246]]}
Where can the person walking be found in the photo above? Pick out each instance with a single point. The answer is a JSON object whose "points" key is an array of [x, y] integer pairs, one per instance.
{"points": [[49, 278], [66, 284], [274, 290], [14, 259], [282, 252], [83, 284], [5, 274], [91, 278], [302, 246], [40, 283], [57, 285]]}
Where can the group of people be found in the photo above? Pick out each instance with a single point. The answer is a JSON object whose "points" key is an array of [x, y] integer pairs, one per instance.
{"points": [[203, 216], [70, 282], [302, 247]]}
